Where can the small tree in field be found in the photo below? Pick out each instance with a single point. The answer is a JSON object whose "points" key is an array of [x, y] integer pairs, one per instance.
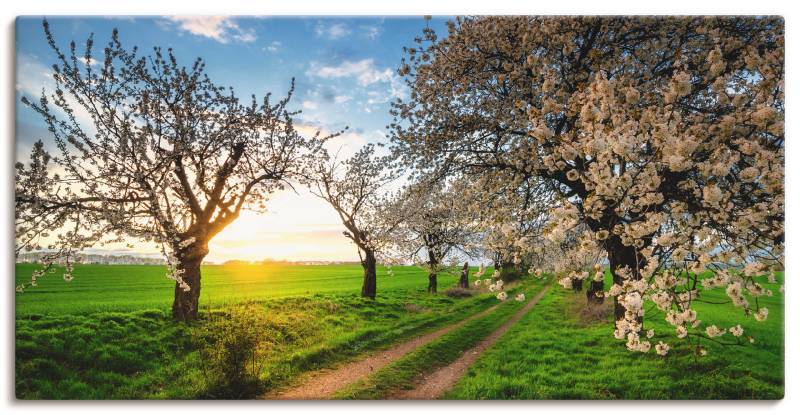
{"points": [[664, 136], [355, 189], [149, 149], [435, 228]]}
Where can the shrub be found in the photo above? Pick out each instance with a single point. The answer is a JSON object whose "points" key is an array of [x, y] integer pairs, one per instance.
{"points": [[236, 345], [510, 273]]}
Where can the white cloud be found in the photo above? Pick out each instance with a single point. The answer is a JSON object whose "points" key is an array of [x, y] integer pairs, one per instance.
{"points": [[332, 31], [310, 105], [91, 61], [220, 28], [372, 32], [398, 88], [381, 85], [364, 71], [347, 144], [273, 47], [33, 76], [341, 99]]}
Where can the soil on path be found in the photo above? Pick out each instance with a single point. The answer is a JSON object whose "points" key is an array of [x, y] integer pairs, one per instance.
{"points": [[324, 383], [435, 384]]}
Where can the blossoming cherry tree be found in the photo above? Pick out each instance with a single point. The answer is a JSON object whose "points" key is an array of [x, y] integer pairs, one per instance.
{"points": [[146, 148]]}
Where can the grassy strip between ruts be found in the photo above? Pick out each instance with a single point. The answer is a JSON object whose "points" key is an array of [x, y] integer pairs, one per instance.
{"points": [[441, 352]]}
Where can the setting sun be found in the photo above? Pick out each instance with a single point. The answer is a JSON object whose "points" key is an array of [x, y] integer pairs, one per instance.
{"points": [[297, 227]]}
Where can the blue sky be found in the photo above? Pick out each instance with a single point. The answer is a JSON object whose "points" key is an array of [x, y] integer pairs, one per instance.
{"points": [[345, 73], [344, 67]]}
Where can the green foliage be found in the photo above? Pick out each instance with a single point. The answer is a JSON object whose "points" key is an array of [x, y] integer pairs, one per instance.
{"points": [[511, 272], [235, 345]]}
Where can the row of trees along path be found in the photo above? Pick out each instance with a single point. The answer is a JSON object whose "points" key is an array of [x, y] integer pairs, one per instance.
{"points": [[660, 139]]}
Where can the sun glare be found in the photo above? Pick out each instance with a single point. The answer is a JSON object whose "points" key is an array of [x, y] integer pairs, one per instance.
{"points": [[298, 227]]}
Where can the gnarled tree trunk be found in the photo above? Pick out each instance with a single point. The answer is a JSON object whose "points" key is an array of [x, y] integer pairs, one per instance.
{"points": [[369, 286], [185, 306]]}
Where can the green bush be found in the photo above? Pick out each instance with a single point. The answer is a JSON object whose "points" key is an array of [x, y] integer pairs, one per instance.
{"points": [[238, 342], [510, 273]]}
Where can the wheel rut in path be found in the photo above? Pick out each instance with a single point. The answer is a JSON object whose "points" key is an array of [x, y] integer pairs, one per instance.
{"points": [[324, 383], [435, 384]]}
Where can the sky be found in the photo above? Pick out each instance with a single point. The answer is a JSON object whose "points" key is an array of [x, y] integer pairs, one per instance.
{"points": [[345, 74]]}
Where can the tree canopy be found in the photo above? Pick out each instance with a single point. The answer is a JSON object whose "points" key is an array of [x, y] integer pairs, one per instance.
{"points": [[150, 149], [663, 136]]}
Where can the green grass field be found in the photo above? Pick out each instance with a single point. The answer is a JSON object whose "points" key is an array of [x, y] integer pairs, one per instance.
{"points": [[137, 287], [553, 353], [108, 335]]}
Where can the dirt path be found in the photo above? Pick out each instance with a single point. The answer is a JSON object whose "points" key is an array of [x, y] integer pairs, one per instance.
{"points": [[434, 385], [324, 383]]}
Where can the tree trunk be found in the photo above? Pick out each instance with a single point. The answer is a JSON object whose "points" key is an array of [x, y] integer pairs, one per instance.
{"points": [[498, 262], [432, 283], [369, 286], [186, 303], [463, 282], [577, 285], [591, 293], [433, 262], [620, 255], [507, 270]]}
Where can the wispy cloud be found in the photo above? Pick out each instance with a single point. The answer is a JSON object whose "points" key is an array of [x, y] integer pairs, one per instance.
{"points": [[34, 76], [372, 31], [332, 31], [90, 62], [381, 84], [364, 71], [273, 46], [223, 29]]}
